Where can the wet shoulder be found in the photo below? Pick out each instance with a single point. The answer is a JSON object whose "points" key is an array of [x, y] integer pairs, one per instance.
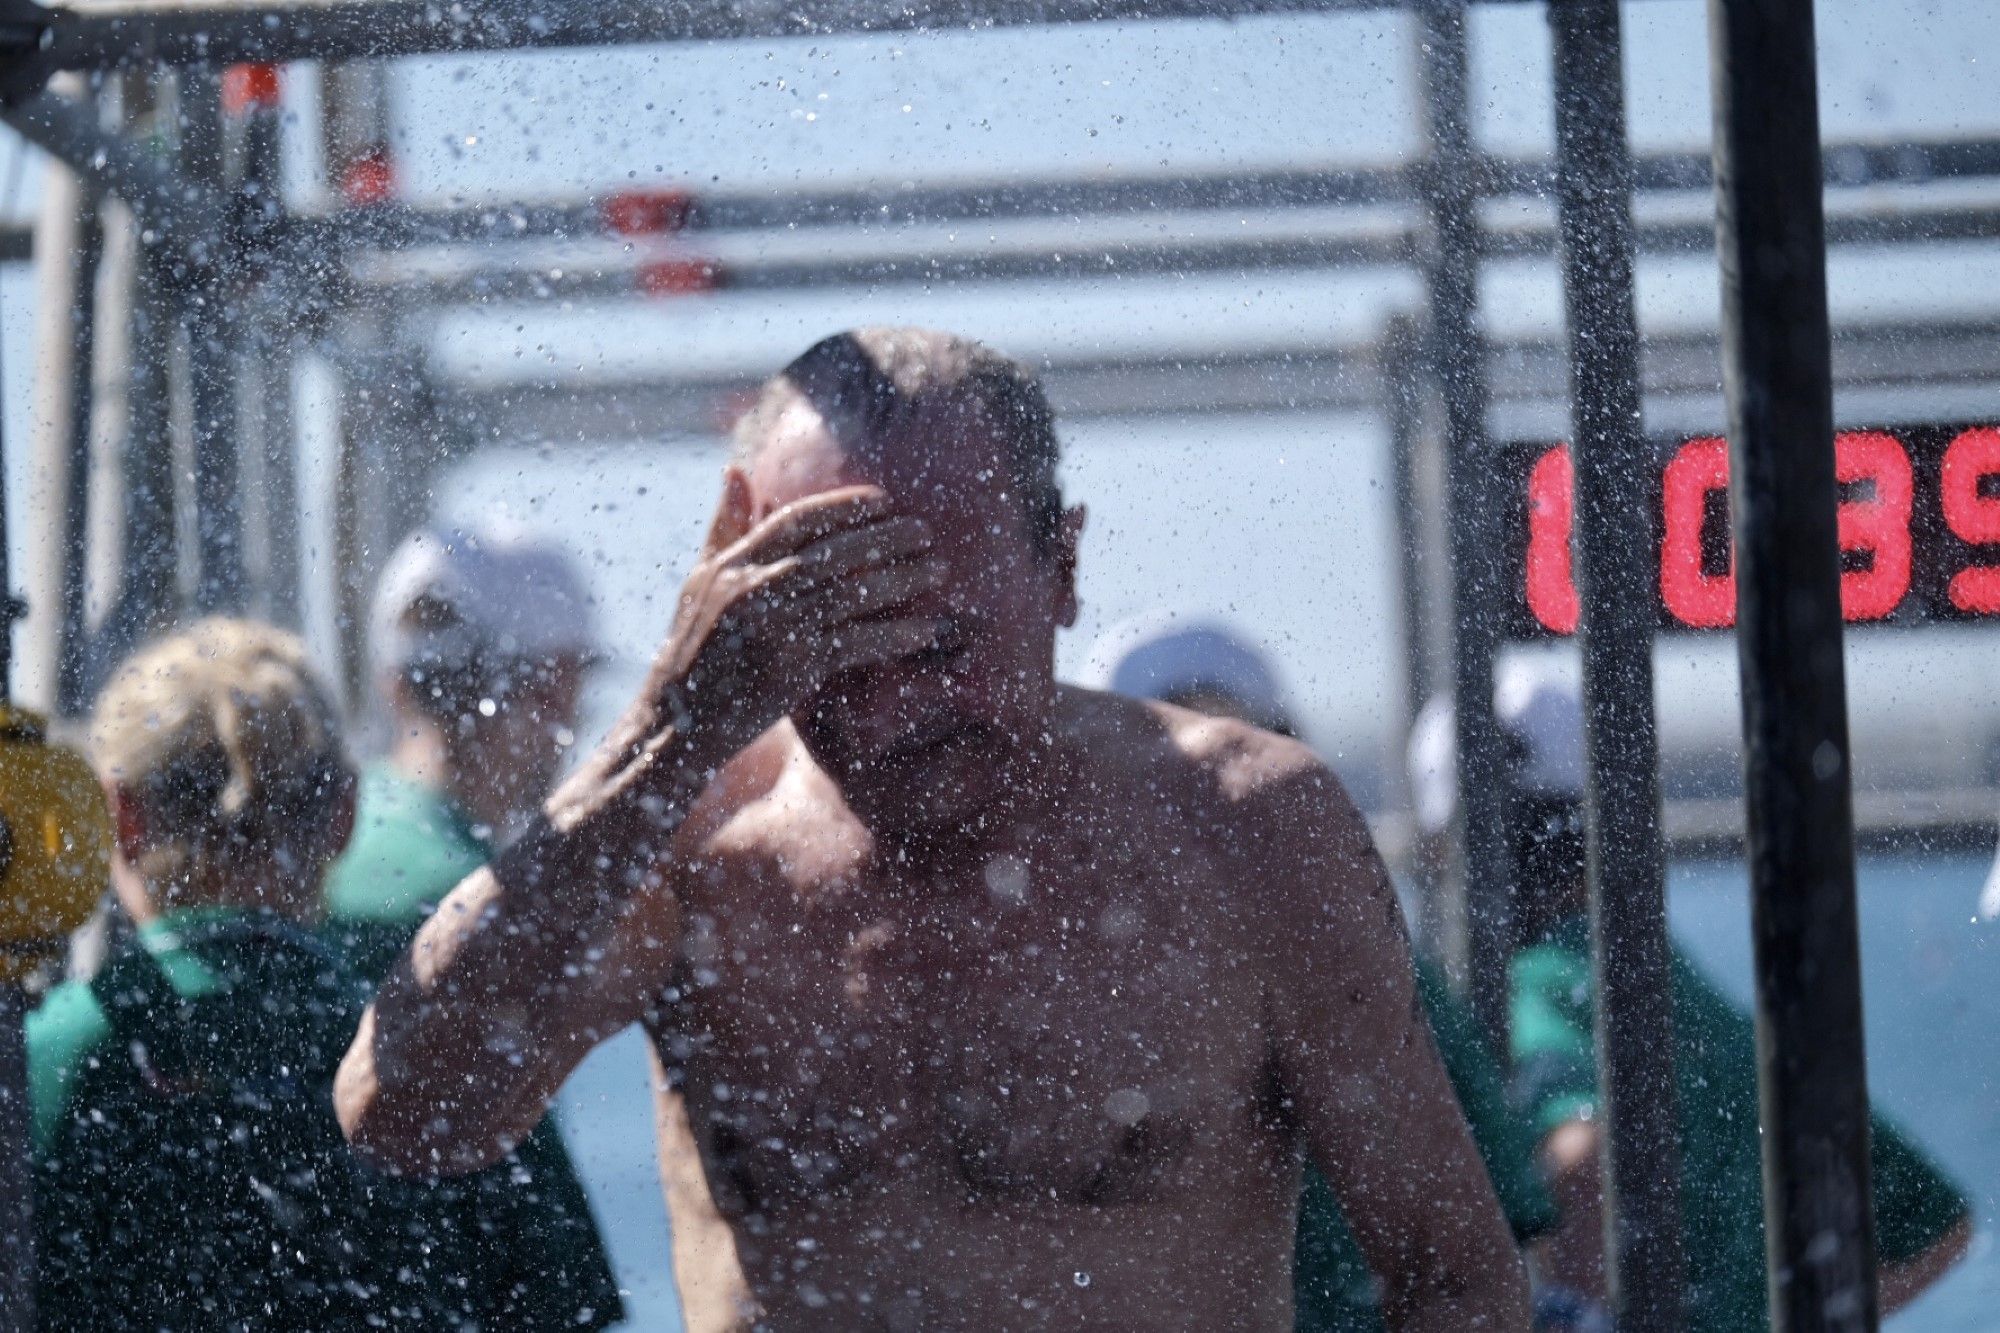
{"points": [[1189, 753], [1224, 772]]}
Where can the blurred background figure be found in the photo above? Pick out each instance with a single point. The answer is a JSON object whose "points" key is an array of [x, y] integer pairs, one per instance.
{"points": [[1923, 1223], [480, 643], [1208, 667], [189, 1170]]}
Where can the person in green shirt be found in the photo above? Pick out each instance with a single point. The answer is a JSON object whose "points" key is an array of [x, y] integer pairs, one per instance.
{"points": [[1923, 1222], [189, 1172], [1207, 667], [479, 642]]}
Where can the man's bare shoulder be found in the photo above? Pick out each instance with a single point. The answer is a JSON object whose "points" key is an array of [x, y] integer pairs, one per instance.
{"points": [[1267, 797], [773, 806], [1162, 742]]}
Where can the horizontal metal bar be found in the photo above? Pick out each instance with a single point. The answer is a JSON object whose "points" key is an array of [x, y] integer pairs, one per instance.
{"points": [[891, 205], [1277, 379], [670, 273], [193, 32], [675, 271], [877, 206]]}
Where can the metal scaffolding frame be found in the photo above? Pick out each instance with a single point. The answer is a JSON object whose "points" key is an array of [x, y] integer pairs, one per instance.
{"points": [[214, 235]]}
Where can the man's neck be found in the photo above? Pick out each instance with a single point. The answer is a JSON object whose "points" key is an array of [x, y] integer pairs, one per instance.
{"points": [[1037, 781]]}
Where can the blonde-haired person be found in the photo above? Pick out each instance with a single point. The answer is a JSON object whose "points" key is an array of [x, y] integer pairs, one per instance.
{"points": [[189, 1171]]}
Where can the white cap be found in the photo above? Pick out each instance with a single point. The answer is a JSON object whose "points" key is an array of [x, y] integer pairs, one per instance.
{"points": [[1540, 713], [1158, 656], [455, 596]]}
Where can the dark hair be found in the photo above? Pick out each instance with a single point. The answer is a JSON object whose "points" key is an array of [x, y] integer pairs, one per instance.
{"points": [[866, 384]]}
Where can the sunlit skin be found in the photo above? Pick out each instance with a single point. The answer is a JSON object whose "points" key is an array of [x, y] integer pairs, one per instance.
{"points": [[982, 1002]]}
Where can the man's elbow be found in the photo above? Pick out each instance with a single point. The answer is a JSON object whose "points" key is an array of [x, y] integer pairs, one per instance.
{"points": [[358, 1104], [355, 1091], [392, 1130]]}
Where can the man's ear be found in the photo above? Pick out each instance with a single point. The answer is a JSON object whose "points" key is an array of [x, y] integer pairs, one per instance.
{"points": [[735, 512], [1068, 534]]}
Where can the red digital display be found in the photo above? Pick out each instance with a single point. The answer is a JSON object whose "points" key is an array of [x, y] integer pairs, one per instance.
{"points": [[1919, 530]]}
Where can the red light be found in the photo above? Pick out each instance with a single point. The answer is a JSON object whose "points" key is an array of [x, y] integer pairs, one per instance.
{"points": [[1551, 581], [247, 88], [1879, 524], [1973, 518], [646, 212], [369, 179], [678, 277], [1694, 597]]}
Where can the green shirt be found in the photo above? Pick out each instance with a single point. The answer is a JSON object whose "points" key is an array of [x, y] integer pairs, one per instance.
{"points": [[526, 1248], [1722, 1200], [68, 1029], [170, 1143], [410, 848], [1334, 1289]]}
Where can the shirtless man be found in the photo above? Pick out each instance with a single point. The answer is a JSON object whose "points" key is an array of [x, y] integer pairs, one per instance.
{"points": [[981, 1001]]}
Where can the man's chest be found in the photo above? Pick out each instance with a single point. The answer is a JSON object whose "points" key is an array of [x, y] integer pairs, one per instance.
{"points": [[1041, 1032]]}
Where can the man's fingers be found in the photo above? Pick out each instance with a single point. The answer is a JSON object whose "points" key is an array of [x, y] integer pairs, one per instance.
{"points": [[786, 531], [870, 643], [882, 543], [874, 591]]}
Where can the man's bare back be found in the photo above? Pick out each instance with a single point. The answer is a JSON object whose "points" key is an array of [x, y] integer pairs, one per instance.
{"points": [[983, 1002]]}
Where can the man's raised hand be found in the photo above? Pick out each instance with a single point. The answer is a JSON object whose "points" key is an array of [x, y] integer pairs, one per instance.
{"points": [[765, 620]]}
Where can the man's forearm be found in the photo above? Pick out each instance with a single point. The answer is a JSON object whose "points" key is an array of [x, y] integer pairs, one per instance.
{"points": [[522, 969]]}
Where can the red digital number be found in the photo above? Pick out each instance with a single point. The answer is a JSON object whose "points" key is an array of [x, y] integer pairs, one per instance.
{"points": [[1879, 524], [1876, 522], [1694, 597], [1973, 518], [1551, 582]]}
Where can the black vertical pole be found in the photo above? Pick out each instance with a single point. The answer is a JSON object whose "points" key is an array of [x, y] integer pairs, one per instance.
{"points": [[1615, 571], [211, 380], [1457, 357], [267, 376], [1400, 364], [1399, 357], [73, 635], [1770, 232]]}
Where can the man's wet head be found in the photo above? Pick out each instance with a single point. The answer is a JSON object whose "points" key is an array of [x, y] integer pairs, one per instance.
{"points": [[962, 439]]}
